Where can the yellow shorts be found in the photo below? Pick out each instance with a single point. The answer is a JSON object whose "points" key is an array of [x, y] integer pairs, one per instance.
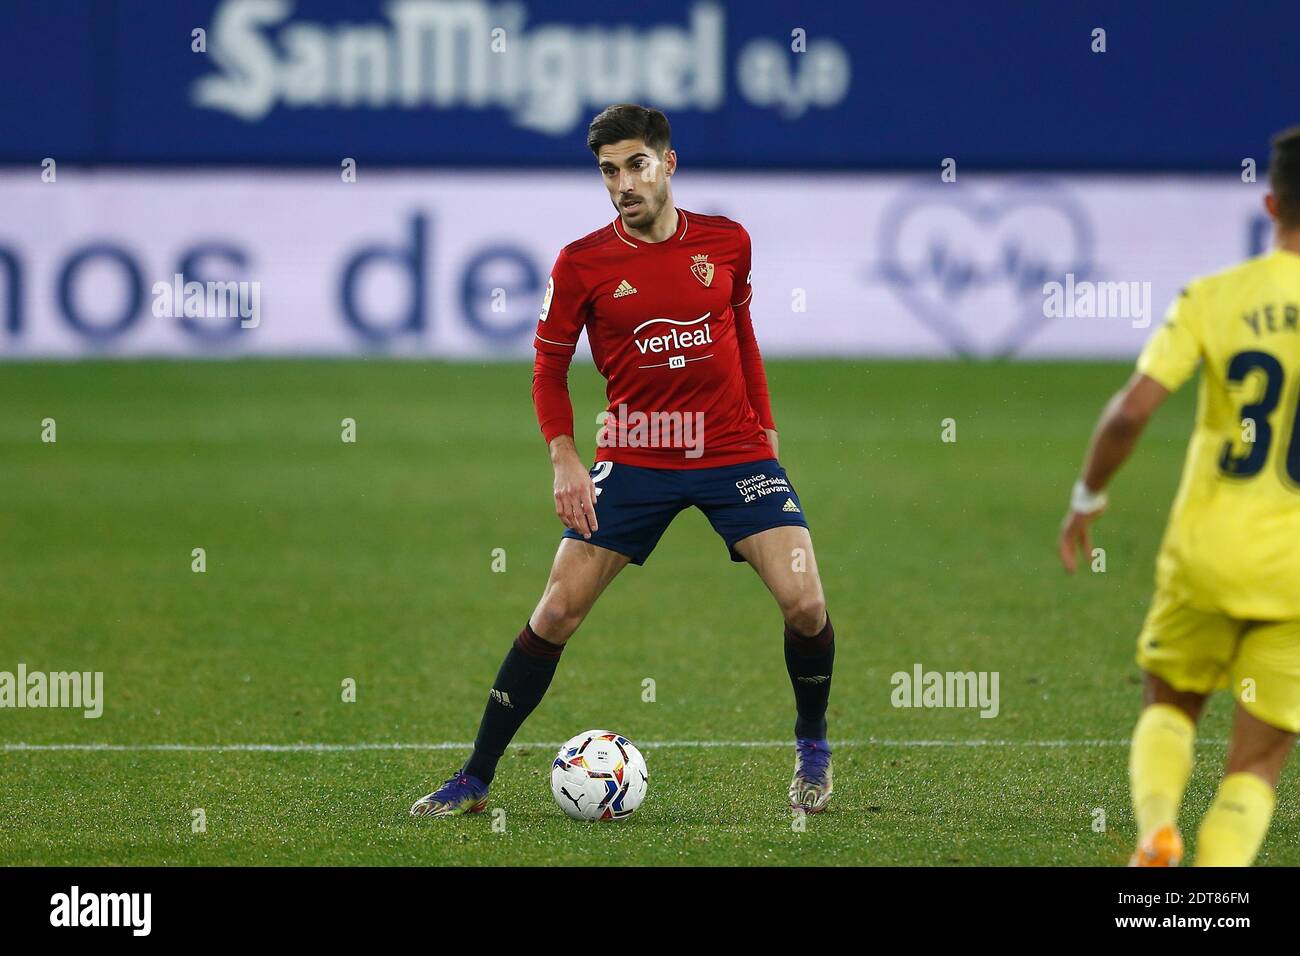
{"points": [[1201, 651]]}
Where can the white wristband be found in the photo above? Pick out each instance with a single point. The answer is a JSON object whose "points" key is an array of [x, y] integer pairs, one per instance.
{"points": [[1085, 501]]}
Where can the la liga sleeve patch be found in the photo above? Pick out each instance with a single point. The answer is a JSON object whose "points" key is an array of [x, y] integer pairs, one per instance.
{"points": [[546, 299]]}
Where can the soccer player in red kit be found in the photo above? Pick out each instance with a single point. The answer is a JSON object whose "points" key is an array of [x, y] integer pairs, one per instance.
{"points": [[664, 296]]}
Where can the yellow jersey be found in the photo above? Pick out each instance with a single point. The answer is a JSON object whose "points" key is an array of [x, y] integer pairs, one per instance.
{"points": [[1233, 540]]}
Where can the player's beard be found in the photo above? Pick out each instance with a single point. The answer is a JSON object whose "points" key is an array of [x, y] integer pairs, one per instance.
{"points": [[651, 207]]}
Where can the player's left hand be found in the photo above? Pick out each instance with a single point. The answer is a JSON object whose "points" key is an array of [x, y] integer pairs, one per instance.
{"points": [[1075, 538]]}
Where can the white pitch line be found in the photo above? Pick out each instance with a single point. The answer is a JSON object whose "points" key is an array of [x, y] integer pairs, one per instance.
{"points": [[456, 745]]}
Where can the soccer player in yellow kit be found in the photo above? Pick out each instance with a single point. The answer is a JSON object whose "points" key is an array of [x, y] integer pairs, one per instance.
{"points": [[1226, 611]]}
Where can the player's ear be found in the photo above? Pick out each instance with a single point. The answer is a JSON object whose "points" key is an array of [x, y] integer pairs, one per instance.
{"points": [[670, 162], [1270, 203]]}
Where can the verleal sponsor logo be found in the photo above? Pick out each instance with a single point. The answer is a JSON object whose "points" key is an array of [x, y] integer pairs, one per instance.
{"points": [[680, 335]]}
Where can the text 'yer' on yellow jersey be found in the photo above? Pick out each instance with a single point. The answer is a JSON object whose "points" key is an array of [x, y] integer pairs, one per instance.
{"points": [[1233, 540]]}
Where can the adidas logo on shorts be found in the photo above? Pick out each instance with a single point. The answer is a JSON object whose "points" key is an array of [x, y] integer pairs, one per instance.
{"points": [[790, 506]]}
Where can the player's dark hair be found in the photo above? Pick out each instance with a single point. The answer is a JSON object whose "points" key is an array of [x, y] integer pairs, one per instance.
{"points": [[1284, 176], [629, 121]]}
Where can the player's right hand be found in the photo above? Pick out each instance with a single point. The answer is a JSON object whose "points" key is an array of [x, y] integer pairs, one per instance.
{"points": [[1074, 538], [575, 496]]}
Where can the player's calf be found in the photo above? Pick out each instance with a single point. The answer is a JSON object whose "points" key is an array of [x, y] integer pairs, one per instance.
{"points": [[810, 660], [1234, 827]]}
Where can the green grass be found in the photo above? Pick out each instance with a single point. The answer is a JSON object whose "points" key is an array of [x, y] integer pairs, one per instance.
{"points": [[373, 561]]}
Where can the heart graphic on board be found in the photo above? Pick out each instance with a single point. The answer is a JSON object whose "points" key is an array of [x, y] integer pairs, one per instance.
{"points": [[973, 269]]}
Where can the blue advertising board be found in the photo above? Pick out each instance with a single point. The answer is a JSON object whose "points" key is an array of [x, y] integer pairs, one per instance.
{"points": [[997, 85]]}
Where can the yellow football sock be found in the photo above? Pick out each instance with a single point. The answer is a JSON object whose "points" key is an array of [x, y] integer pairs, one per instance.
{"points": [[1159, 764], [1236, 822]]}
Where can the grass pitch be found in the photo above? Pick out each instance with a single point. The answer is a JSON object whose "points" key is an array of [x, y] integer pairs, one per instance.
{"points": [[373, 561]]}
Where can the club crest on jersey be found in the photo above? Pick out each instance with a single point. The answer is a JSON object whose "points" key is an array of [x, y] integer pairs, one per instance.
{"points": [[702, 268]]}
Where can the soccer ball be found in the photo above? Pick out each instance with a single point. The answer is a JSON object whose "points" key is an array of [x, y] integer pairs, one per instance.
{"points": [[599, 775]]}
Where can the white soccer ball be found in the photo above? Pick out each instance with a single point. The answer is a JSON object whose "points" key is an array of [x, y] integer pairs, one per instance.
{"points": [[599, 775]]}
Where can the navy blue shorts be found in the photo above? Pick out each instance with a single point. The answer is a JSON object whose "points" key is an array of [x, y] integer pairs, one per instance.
{"points": [[635, 505]]}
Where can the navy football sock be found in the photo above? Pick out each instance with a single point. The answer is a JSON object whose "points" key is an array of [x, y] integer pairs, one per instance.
{"points": [[810, 661], [520, 685]]}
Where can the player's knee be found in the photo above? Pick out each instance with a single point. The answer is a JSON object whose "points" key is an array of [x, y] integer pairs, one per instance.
{"points": [[805, 614], [557, 617]]}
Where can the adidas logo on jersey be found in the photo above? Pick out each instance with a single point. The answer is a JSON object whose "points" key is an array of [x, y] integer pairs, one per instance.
{"points": [[624, 288], [790, 506]]}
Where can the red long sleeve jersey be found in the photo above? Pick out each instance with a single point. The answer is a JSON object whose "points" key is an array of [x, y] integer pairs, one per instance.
{"points": [[669, 328]]}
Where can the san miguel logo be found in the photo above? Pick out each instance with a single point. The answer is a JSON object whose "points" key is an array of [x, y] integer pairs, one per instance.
{"points": [[702, 268]]}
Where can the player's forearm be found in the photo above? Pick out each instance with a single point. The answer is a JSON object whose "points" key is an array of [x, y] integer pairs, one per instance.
{"points": [[551, 396], [563, 451], [1114, 439], [751, 364], [759, 397]]}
